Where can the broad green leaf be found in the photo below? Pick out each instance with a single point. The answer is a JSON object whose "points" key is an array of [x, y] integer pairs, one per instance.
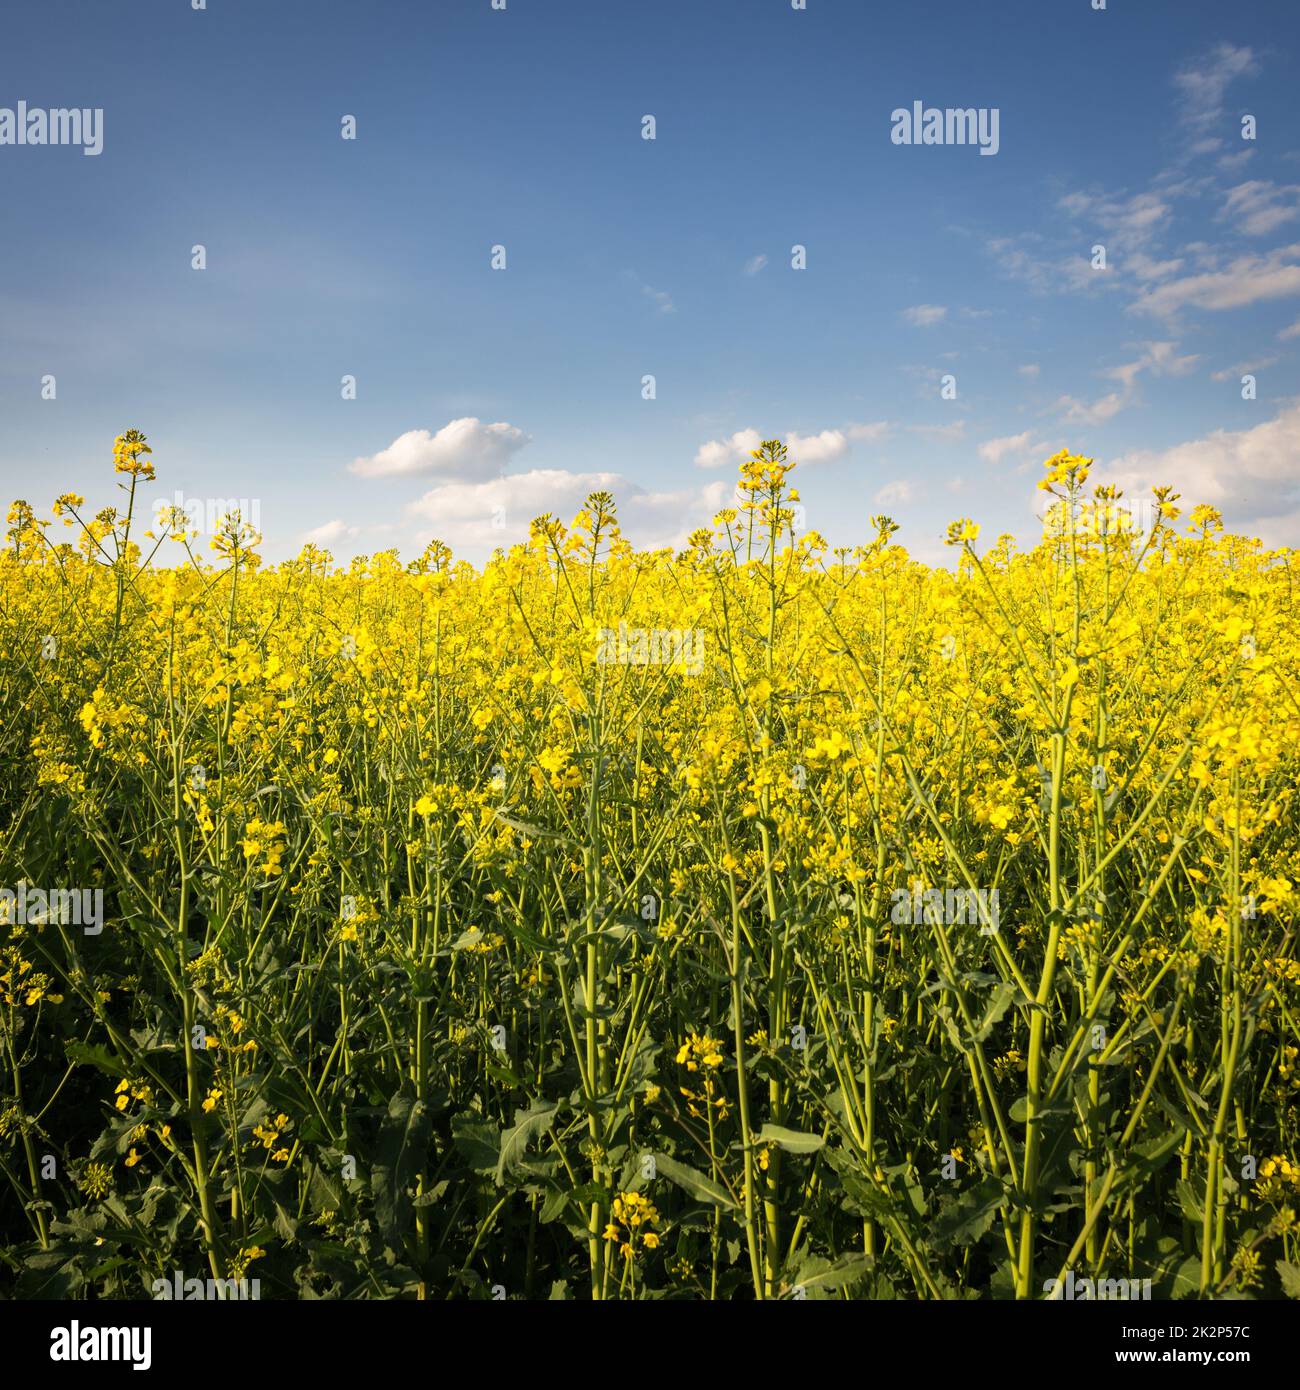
{"points": [[791, 1140], [537, 1119], [693, 1182], [401, 1151], [819, 1273]]}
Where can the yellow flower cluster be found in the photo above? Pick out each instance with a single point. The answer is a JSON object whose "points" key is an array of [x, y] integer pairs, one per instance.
{"points": [[632, 1217]]}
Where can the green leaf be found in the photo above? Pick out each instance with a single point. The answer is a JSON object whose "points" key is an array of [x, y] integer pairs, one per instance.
{"points": [[1188, 1279], [477, 1142], [530, 939], [791, 1140], [402, 1150], [1290, 1276], [819, 1273], [970, 1216], [537, 1119], [1190, 1201], [692, 1182], [1000, 1001], [504, 1075], [1149, 1157], [96, 1055], [642, 1065], [535, 831]]}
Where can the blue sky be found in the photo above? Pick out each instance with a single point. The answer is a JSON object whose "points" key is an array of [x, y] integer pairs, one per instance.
{"points": [[484, 397]]}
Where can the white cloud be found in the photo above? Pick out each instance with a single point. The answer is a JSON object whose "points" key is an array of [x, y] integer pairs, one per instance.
{"points": [[1030, 370], [1025, 258], [719, 452], [476, 518], [1132, 220], [1245, 280], [1203, 83], [331, 533], [1262, 206], [1143, 267], [1292, 332], [465, 448], [1243, 369], [817, 448], [941, 433], [925, 315], [755, 264], [995, 450], [1160, 359], [1250, 475], [1235, 163], [892, 493], [1079, 412], [803, 448], [871, 433], [661, 299]]}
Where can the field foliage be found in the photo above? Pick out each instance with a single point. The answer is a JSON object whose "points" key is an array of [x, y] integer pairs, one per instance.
{"points": [[759, 920]]}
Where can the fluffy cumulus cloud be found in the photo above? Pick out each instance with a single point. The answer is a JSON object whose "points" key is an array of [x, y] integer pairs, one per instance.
{"points": [[1007, 446], [717, 453], [817, 448], [331, 533], [475, 518], [822, 447], [463, 449], [1250, 475]]}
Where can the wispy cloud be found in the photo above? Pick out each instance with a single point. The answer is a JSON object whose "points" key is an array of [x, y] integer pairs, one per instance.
{"points": [[1132, 220], [1244, 369], [1261, 206], [1077, 412], [925, 315], [661, 299], [1157, 358], [1203, 83], [871, 433], [1245, 280], [900, 490], [941, 433], [755, 264]]}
